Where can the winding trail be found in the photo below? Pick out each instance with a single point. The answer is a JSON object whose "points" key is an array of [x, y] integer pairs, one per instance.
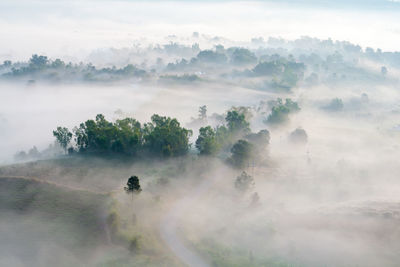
{"points": [[170, 225]]}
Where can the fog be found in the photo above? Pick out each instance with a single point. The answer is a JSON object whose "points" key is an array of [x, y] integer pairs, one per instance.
{"points": [[305, 174], [72, 29]]}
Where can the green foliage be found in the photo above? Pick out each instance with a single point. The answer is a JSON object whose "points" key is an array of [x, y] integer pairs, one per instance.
{"points": [[63, 137], [101, 136], [133, 185], [207, 142], [236, 122], [165, 137], [210, 141], [291, 105], [280, 111], [162, 137], [241, 153]]}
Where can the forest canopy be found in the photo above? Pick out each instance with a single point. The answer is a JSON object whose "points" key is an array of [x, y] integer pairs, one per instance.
{"points": [[162, 137]]}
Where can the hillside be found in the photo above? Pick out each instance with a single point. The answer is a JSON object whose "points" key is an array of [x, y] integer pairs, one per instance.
{"points": [[42, 218]]}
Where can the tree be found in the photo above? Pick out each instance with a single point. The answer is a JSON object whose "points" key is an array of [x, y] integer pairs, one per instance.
{"points": [[241, 153], [58, 64], [291, 105], [63, 137], [133, 185], [210, 56], [165, 137], [236, 122], [101, 136], [280, 111], [207, 143], [244, 182], [129, 137], [260, 140], [38, 62], [243, 56], [298, 136], [203, 113], [268, 68], [278, 115]]}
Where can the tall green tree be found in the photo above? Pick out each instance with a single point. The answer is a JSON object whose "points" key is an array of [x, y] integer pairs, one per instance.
{"points": [[207, 143], [242, 152], [236, 121], [164, 137], [129, 138]]}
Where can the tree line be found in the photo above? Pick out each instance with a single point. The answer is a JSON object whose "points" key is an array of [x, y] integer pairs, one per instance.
{"points": [[164, 137]]}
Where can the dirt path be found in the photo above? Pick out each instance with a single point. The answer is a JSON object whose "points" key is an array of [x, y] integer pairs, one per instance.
{"points": [[169, 228]]}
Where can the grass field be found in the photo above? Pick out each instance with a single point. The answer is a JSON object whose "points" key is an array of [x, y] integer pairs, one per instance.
{"points": [[76, 208], [38, 216]]}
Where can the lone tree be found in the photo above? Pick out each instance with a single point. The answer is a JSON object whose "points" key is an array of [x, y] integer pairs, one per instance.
{"points": [[63, 136], [203, 113], [133, 185]]}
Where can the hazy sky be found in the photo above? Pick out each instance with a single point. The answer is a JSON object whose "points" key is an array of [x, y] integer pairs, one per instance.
{"points": [[61, 28]]}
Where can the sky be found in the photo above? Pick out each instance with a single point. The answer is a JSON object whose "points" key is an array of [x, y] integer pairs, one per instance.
{"points": [[75, 28]]}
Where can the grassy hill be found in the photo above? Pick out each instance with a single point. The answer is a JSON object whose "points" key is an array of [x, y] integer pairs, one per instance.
{"points": [[75, 210], [39, 216]]}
